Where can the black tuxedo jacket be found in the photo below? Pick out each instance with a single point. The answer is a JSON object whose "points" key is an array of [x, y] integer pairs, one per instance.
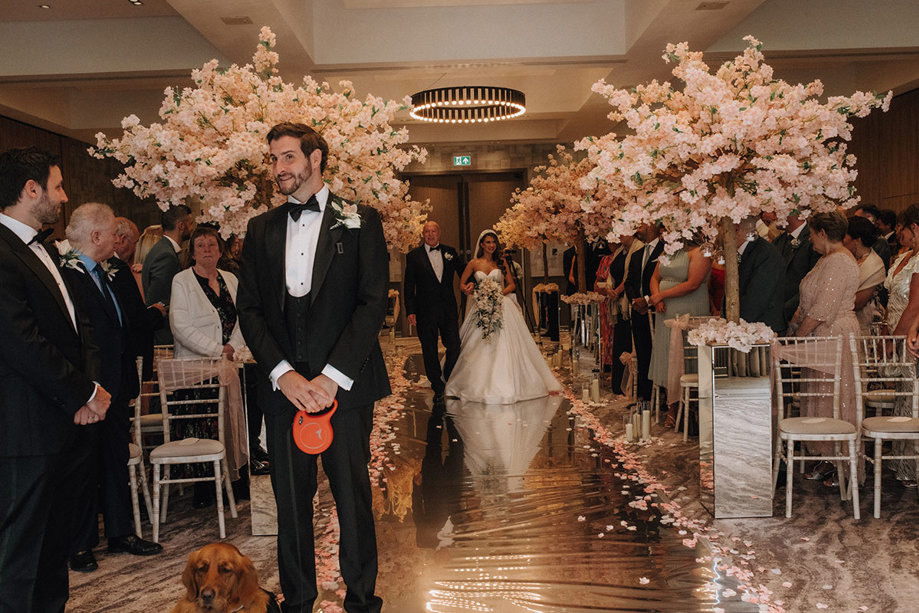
{"points": [[117, 372], [43, 360], [425, 296], [760, 284], [142, 321], [349, 296], [798, 262], [638, 284]]}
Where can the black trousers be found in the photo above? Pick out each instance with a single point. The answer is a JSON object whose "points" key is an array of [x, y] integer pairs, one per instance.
{"points": [[641, 334], [294, 478], [447, 327], [105, 479], [37, 495]]}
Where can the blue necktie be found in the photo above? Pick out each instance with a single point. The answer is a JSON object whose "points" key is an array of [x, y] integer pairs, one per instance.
{"points": [[102, 278]]}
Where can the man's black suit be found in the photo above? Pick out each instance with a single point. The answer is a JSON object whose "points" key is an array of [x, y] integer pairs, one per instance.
{"points": [[436, 489], [160, 266], [142, 320], [799, 257], [638, 284], [348, 299], [105, 445], [433, 303], [760, 284], [45, 368]]}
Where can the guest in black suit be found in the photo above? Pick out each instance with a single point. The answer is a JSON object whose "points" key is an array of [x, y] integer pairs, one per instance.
{"points": [[312, 300], [799, 256], [45, 356], [143, 320], [886, 225], [162, 263], [759, 278], [638, 290], [91, 233], [431, 303]]}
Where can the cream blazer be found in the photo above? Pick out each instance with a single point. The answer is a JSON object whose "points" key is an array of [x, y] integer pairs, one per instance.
{"points": [[194, 320]]}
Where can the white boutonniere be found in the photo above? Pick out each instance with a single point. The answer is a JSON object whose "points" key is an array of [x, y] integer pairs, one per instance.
{"points": [[108, 269], [69, 256], [346, 215], [448, 256], [795, 243]]}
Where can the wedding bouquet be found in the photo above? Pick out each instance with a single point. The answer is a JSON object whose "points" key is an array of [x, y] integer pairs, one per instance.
{"points": [[489, 307]]}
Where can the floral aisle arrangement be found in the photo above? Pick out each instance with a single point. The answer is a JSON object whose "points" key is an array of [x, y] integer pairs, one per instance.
{"points": [[740, 335], [583, 298], [728, 145], [488, 307], [210, 145], [556, 207]]}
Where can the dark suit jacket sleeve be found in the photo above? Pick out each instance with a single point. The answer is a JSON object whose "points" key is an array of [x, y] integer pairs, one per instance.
{"points": [[633, 280], [409, 287], [37, 360], [767, 269], [361, 334], [250, 303], [163, 267]]}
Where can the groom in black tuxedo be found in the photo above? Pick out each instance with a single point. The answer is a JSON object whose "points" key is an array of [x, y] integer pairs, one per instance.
{"points": [[312, 300], [431, 304], [638, 289]]}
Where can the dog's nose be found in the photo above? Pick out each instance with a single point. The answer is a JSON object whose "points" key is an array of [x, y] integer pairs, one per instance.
{"points": [[207, 594]]}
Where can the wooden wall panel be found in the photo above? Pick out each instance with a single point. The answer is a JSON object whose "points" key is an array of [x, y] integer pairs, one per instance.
{"points": [[887, 148]]}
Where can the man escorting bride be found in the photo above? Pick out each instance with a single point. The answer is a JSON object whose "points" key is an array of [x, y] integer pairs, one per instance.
{"points": [[498, 363]]}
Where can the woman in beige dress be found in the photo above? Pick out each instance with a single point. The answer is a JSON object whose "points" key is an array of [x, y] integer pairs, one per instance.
{"points": [[827, 308]]}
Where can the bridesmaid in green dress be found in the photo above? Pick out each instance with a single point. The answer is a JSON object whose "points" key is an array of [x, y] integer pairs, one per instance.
{"points": [[677, 288]]}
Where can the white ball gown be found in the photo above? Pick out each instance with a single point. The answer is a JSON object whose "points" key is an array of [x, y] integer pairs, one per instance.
{"points": [[506, 368]]}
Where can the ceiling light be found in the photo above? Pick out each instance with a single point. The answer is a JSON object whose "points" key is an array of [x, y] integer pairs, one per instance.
{"points": [[468, 104], [44, 6], [135, 2]]}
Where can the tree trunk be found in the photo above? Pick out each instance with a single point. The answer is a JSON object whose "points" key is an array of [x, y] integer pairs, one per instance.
{"points": [[581, 251], [545, 263], [731, 278]]}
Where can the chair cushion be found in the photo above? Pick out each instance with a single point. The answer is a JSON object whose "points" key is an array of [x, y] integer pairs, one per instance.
{"points": [[187, 448], [890, 424], [692, 378], [133, 454], [815, 425]]}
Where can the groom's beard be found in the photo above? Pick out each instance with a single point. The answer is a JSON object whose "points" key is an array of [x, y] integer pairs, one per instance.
{"points": [[293, 182]]}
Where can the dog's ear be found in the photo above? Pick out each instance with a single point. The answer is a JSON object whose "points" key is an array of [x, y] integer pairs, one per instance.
{"points": [[248, 580], [188, 575]]}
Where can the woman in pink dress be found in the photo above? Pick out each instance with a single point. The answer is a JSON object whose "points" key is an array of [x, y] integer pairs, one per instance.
{"points": [[827, 308]]}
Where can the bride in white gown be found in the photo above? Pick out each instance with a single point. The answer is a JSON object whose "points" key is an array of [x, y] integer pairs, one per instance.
{"points": [[507, 367]]}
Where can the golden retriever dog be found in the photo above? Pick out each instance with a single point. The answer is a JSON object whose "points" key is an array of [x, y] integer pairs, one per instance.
{"points": [[219, 579]]}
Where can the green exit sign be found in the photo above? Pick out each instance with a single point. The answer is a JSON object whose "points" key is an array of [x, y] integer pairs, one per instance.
{"points": [[462, 160]]}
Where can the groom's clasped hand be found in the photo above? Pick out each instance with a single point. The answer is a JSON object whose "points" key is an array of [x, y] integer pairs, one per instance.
{"points": [[308, 395]]}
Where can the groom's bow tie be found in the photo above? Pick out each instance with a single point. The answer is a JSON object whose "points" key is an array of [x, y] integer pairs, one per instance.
{"points": [[437, 248], [41, 236], [295, 208]]}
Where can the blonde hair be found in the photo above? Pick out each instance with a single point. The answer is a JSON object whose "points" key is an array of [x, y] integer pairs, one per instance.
{"points": [[150, 237]]}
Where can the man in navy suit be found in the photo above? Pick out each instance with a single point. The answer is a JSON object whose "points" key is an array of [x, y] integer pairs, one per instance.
{"points": [[46, 356], [92, 234], [431, 303]]}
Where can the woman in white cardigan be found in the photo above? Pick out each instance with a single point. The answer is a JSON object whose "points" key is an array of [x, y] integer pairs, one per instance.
{"points": [[202, 308]]}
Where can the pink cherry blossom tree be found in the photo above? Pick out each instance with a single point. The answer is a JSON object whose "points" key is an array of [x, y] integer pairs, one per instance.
{"points": [[726, 146], [210, 146], [557, 207]]}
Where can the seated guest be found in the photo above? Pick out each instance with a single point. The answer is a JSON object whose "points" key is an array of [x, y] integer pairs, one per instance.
{"points": [[859, 238], [759, 277], [827, 308], [204, 324], [92, 235]]}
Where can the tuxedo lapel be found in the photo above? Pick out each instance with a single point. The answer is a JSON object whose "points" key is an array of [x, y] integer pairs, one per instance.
{"points": [[426, 258], [276, 249], [28, 257], [324, 248]]}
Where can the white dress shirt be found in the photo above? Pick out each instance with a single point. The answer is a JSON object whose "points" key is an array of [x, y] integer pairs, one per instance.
{"points": [[175, 245], [299, 256], [437, 259], [649, 249]]}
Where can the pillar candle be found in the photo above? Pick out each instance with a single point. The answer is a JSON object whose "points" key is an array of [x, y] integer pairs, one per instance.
{"points": [[585, 395], [595, 390], [628, 432], [636, 423], [646, 425]]}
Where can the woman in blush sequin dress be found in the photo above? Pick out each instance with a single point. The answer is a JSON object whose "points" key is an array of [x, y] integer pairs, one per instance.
{"points": [[827, 308]]}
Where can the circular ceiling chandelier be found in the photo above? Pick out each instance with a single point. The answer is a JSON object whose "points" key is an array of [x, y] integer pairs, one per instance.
{"points": [[468, 104]]}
